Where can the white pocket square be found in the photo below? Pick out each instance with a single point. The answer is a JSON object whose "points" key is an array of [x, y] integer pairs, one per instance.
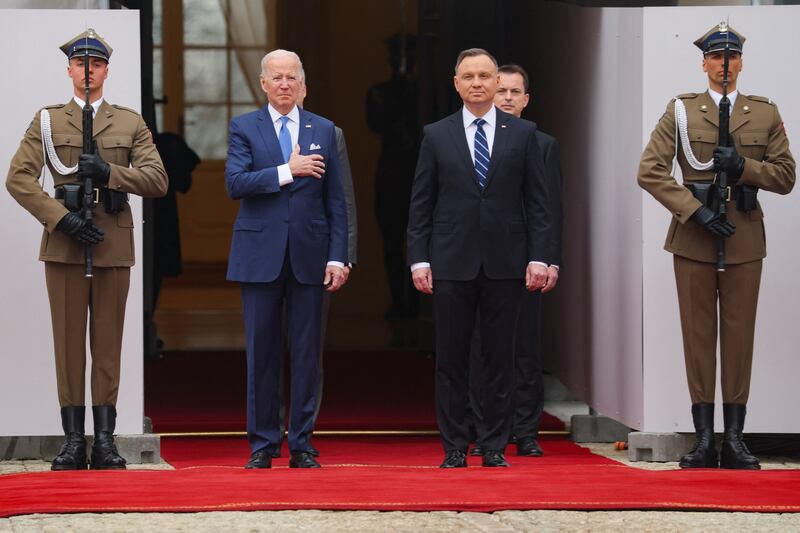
{"points": [[315, 147]]}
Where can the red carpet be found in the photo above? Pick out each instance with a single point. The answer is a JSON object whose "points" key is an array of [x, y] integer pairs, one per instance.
{"points": [[205, 391], [393, 474]]}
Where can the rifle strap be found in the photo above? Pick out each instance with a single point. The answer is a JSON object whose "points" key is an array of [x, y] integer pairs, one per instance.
{"points": [[682, 132], [49, 149]]}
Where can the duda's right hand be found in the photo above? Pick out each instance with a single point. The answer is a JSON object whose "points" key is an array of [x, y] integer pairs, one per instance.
{"points": [[77, 228]]}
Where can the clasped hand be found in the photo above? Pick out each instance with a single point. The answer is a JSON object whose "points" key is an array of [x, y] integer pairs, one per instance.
{"points": [[306, 165]]}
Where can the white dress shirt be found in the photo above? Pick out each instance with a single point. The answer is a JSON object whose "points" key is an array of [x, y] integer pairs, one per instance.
{"points": [[470, 128], [293, 125], [718, 96], [95, 105]]}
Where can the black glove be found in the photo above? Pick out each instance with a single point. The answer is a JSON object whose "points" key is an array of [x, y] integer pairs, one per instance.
{"points": [[77, 228], [728, 159], [710, 220], [94, 166]]}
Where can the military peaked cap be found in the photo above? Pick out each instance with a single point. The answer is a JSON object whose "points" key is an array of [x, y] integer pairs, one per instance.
{"points": [[718, 38], [87, 41]]}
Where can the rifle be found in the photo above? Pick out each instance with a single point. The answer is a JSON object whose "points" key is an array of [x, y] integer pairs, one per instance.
{"points": [[88, 148], [724, 140]]}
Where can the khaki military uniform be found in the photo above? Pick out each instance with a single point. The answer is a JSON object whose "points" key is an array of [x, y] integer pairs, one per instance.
{"points": [[123, 141], [756, 129]]}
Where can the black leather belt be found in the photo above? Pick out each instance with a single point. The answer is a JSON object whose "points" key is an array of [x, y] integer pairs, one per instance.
{"points": [[60, 194]]}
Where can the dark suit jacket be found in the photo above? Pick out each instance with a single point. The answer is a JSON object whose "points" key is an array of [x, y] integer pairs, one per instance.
{"points": [[308, 216], [551, 153], [349, 197], [458, 228]]}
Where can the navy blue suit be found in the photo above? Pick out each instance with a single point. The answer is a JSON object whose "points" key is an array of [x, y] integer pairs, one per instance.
{"points": [[283, 238]]}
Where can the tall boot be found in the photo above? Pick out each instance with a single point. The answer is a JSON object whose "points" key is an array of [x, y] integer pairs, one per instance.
{"points": [[703, 454], [73, 452], [104, 451], [734, 451]]}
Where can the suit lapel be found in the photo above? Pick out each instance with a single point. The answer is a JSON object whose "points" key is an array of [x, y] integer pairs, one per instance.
{"points": [[73, 113], [102, 118], [710, 111], [267, 130], [499, 145], [739, 115], [306, 133], [460, 142]]}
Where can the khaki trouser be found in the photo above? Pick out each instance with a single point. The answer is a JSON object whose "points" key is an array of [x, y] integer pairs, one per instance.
{"points": [[72, 298], [700, 287]]}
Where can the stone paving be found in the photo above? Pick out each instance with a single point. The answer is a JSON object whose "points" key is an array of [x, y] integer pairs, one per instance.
{"points": [[373, 521]]}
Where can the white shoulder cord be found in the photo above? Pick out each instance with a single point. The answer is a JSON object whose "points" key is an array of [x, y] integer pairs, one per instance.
{"points": [[49, 150], [682, 127]]}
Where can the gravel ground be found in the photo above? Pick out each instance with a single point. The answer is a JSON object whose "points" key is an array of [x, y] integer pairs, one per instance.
{"points": [[373, 521]]}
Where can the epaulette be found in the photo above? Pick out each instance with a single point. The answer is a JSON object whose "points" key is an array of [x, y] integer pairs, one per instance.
{"points": [[684, 96], [760, 99], [54, 106], [123, 108]]}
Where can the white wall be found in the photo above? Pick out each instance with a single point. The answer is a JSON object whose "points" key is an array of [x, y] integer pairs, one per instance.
{"points": [[34, 75], [672, 66], [588, 84]]}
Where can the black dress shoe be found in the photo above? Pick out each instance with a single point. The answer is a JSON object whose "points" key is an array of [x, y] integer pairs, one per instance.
{"points": [[494, 458], [313, 451], [454, 459], [276, 454], [528, 447], [476, 451], [303, 460], [259, 459]]}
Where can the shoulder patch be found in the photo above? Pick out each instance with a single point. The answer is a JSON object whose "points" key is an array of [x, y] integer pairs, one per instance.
{"points": [[123, 108], [763, 99], [684, 96]]}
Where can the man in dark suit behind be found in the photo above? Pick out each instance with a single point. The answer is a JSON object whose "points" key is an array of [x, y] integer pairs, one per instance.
{"points": [[289, 239], [512, 97], [478, 224]]}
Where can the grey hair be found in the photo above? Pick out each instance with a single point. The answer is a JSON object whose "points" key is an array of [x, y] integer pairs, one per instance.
{"points": [[279, 54]]}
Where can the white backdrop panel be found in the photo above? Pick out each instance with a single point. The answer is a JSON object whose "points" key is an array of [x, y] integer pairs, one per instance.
{"points": [[672, 65], [35, 75]]}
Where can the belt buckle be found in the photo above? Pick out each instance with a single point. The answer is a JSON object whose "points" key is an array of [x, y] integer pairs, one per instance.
{"points": [[728, 193], [97, 195]]}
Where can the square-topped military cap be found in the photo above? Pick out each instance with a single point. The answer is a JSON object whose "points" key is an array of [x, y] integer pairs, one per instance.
{"points": [[87, 41], [720, 37]]}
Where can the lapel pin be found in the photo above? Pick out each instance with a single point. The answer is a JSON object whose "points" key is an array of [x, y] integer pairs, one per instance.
{"points": [[308, 125], [747, 108], [502, 125], [703, 107]]}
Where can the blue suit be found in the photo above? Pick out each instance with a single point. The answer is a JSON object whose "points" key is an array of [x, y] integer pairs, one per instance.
{"points": [[283, 238]]}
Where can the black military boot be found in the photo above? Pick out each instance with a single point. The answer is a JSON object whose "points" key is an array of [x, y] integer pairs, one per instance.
{"points": [[73, 452], [104, 452], [734, 451], [703, 454]]}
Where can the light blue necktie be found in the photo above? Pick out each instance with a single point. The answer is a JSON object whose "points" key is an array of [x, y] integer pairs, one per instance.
{"points": [[285, 139], [481, 153]]}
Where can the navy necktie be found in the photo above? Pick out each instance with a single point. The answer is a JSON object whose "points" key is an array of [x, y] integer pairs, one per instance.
{"points": [[481, 153], [285, 139]]}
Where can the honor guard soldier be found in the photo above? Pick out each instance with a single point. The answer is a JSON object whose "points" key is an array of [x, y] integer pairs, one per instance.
{"points": [[87, 244], [718, 244]]}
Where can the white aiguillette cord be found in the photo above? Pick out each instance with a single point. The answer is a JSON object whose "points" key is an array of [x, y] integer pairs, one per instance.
{"points": [[50, 150], [682, 129]]}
